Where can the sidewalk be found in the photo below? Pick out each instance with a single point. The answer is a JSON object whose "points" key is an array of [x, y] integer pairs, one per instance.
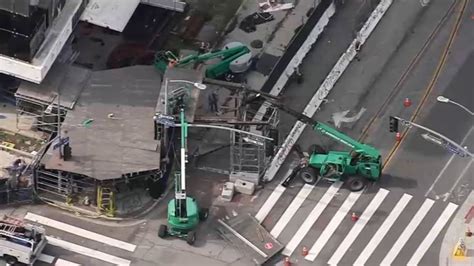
{"points": [[275, 35], [457, 230]]}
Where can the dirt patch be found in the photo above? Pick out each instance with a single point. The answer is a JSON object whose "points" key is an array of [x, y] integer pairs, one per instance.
{"points": [[216, 14], [19, 142]]}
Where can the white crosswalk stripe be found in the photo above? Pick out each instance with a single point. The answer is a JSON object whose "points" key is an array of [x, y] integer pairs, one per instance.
{"points": [[431, 236], [61, 262], [406, 234], [311, 219], [87, 251], [291, 210], [83, 250], [80, 232], [269, 203], [383, 230], [332, 226], [357, 228], [46, 258], [336, 254]]}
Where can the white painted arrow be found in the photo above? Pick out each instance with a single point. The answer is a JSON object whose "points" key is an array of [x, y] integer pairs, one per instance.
{"points": [[340, 117]]}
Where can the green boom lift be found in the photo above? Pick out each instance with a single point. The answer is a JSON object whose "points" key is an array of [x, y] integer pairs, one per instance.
{"points": [[227, 55], [356, 167], [183, 211]]}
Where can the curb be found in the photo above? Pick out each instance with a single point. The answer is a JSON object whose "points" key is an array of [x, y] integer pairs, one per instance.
{"points": [[453, 234], [105, 220]]}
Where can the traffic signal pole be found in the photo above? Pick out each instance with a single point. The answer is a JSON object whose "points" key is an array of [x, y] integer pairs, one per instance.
{"points": [[447, 144]]}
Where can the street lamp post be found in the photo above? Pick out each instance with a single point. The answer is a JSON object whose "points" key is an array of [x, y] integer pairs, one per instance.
{"points": [[447, 100], [197, 85], [438, 138]]}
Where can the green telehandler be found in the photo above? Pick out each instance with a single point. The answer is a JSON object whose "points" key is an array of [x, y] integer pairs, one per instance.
{"points": [[184, 213], [363, 163]]}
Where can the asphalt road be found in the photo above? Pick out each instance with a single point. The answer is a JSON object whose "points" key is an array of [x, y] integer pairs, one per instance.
{"points": [[416, 166], [438, 174]]}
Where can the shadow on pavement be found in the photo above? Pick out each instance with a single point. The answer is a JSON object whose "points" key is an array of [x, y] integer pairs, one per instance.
{"points": [[390, 181]]}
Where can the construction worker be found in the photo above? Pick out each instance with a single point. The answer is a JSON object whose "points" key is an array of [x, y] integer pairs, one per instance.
{"points": [[357, 49], [298, 75], [213, 100], [172, 63]]}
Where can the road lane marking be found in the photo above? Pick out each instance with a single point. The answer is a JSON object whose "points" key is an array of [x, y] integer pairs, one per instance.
{"points": [[409, 229], [383, 230], [464, 171], [332, 226], [311, 219], [46, 258], [432, 83], [328, 84], [87, 251], [359, 225], [61, 262], [269, 203], [291, 210], [80, 232], [445, 167], [431, 236]]}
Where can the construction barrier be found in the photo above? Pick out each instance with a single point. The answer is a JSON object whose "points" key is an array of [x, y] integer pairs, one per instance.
{"points": [[460, 250], [296, 51]]}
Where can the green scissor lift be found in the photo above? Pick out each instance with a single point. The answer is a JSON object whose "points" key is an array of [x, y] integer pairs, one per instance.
{"points": [[184, 213]]}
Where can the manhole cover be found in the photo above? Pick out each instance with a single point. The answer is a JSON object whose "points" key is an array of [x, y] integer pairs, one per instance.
{"points": [[256, 44]]}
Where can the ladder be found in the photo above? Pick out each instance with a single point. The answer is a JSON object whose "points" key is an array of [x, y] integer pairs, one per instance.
{"points": [[7, 228], [9, 224], [12, 220], [106, 201]]}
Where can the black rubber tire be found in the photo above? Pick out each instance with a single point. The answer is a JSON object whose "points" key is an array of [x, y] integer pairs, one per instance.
{"points": [[356, 183], [10, 259], [203, 214], [191, 238], [315, 148], [309, 175], [162, 231]]}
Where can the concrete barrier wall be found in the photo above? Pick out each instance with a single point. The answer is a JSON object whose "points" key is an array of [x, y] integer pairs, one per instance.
{"points": [[295, 53]]}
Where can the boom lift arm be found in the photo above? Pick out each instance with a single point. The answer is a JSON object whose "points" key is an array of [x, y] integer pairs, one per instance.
{"points": [[184, 213], [227, 55], [326, 130], [180, 195], [356, 167]]}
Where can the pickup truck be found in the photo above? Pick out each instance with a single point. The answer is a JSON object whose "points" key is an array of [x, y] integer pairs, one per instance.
{"points": [[20, 242]]}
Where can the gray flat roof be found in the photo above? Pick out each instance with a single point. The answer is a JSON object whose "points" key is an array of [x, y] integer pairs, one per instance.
{"points": [[112, 147], [70, 80]]}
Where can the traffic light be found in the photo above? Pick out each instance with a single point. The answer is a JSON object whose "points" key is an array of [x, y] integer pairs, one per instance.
{"points": [[393, 124]]}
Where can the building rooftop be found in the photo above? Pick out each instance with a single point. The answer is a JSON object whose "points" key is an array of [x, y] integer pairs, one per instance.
{"points": [[66, 79], [56, 36], [120, 140]]}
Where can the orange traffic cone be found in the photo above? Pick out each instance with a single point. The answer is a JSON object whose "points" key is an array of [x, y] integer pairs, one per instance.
{"points": [[407, 102], [305, 251], [286, 261], [398, 136], [354, 217]]}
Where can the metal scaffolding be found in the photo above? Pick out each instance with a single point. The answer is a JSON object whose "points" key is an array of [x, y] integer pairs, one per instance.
{"points": [[249, 155]]}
